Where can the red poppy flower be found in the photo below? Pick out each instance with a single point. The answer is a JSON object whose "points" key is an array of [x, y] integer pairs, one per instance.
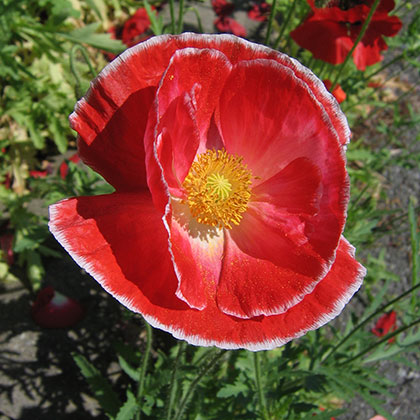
{"points": [[385, 324], [259, 11], [228, 164], [224, 23], [51, 309], [135, 28], [338, 92], [229, 25], [64, 167], [222, 7], [330, 32], [6, 246], [38, 174]]}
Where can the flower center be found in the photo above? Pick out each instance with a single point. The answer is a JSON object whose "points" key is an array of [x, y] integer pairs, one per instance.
{"points": [[218, 188]]}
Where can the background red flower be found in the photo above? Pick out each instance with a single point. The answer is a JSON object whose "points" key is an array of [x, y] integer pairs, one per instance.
{"points": [[338, 92], [330, 32], [134, 30], [386, 323], [224, 22], [259, 11]]}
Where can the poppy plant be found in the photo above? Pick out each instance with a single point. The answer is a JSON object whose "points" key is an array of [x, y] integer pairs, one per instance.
{"points": [[228, 163], [329, 33]]}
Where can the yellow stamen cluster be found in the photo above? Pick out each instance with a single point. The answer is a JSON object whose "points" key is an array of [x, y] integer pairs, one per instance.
{"points": [[218, 188]]}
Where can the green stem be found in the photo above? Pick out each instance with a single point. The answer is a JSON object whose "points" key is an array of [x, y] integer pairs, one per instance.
{"points": [[321, 69], [180, 16], [74, 71], [383, 340], [197, 15], [358, 39], [191, 389], [270, 22], [310, 63], [173, 384], [369, 318], [143, 367], [395, 59], [414, 249], [285, 24], [261, 398], [172, 12]]}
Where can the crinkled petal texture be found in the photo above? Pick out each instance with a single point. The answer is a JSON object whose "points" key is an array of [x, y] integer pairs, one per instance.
{"points": [[285, 268]]}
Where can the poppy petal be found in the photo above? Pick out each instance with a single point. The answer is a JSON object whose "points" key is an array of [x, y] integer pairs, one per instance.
{"points": [[197, 252], [295, 188], [121, 241], [185, 74], [251, 286], [271, 121], [212, 327], [108, 247]]}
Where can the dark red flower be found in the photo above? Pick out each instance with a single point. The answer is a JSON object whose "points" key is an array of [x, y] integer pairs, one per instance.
{"points": [[6, 246], [330, 32], [338, 92], [259, 11], [222, 7], [135, 28], [38, 174], [64, 167], [7, 181], [51, 309], [230, 25], [228, 163], [385, 324], [225, 23]]}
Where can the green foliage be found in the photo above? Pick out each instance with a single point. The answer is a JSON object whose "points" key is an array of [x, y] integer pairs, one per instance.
{"points": [[102, 389]]}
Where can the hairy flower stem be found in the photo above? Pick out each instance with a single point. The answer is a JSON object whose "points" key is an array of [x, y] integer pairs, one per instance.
{"points": [[180, 16], [358, 39], [261, 398], [191, 389], [285, 24], [395, 59], [174, 382], [270, 22], [369, 318], [172, 12], [143, 367], [74, 71], [378, 343]]}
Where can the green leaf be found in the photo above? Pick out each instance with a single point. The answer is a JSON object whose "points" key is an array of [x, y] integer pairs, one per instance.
{"points": [[155, 20], [101, 388], [302, 407], [129, 409], [232, 390], [132, 372], [325, 415], [60, 138], [35, 269], [87, 35]]}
